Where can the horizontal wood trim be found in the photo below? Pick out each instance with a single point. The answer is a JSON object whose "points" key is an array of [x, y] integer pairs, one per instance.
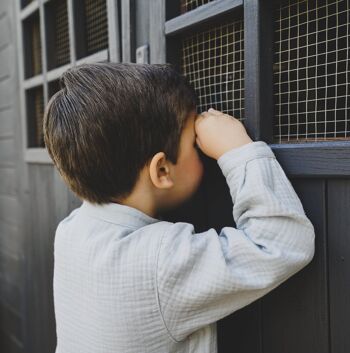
{"points": [[56, 73], [314, 159], [200, 15], [97, 57], [6, 136], [29, 9], [37, 155], [33, 82]]}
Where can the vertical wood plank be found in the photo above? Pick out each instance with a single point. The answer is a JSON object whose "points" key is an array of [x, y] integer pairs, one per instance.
{"points": [[43, 49], [295, 314], [240, 332], [339, 263], [39, 278], [113, 30], [20, 67], [61, 198], [128, 30], [12, 235], [71, 31], [258, 61], [156, 32]]}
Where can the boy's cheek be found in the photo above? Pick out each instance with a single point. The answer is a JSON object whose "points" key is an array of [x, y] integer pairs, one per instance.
{"points": [[199, 171]]}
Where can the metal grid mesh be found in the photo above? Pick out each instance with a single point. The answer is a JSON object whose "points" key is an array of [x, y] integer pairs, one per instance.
{"points": [[96, 25], [32, 45], [188, 5], [61, 32], [311, 71], [35, 108], [53, 87], [213, 62]]}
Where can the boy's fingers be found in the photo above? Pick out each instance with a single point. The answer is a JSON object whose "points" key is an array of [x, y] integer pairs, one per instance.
{"points": [[213, 111]]}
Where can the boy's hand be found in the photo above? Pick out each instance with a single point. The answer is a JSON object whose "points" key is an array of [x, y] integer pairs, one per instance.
{"points": [[218, 133]]}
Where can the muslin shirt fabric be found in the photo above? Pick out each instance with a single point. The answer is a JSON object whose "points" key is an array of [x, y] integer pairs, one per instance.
{"points": [[125, 282]]}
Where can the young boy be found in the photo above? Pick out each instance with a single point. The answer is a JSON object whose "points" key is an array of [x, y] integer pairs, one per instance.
{"points": [[124, 137]]}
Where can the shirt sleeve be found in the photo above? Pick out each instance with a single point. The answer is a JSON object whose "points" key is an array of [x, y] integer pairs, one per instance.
{"points": [[203, 277]]}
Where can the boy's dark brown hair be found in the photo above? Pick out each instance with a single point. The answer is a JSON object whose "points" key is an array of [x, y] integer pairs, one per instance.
{"points": [[109, 119]]}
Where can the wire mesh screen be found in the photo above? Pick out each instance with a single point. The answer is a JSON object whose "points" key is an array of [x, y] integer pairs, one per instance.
{"points": [[213, 61], [96, 25], [57, 34], [32, 46], [35, 109], [188, 5], [53, 87], [311, 71]]}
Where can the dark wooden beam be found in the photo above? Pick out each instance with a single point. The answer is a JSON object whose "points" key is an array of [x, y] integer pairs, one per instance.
{"points": [[258, 61], [200, 15], [314, 159]]}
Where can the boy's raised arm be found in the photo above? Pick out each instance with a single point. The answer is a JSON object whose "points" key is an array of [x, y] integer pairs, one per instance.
{"points": [[203, 277]]}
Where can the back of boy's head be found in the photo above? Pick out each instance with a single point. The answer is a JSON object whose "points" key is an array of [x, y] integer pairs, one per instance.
{"points": [[109, 119]]}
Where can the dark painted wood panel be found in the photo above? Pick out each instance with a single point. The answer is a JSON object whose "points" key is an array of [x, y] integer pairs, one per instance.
{"points": [[241, 331], [231, 330], [338, 194], [314, 159], [11, 294], [295, 314], [9, 344], [258, 59], [12, 321]]}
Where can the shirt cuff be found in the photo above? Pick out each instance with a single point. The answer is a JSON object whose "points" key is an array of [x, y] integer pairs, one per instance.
{"points": [[241, 155]]}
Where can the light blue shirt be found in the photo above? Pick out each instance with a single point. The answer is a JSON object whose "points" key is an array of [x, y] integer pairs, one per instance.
{"points": [[125, 282]]}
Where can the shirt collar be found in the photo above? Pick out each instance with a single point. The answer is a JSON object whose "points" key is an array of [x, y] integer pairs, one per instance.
{"points": [[118, 214]]}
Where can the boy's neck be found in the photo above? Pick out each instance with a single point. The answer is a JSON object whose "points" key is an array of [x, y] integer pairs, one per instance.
{"points": [[143, 206], [141, 198]]}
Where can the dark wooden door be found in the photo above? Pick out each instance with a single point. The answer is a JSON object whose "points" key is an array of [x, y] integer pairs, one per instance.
{"points": [[289, 84]]}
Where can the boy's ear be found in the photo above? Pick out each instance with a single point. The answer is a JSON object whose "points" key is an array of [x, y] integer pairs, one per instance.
{"points": [[159, 171]]}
